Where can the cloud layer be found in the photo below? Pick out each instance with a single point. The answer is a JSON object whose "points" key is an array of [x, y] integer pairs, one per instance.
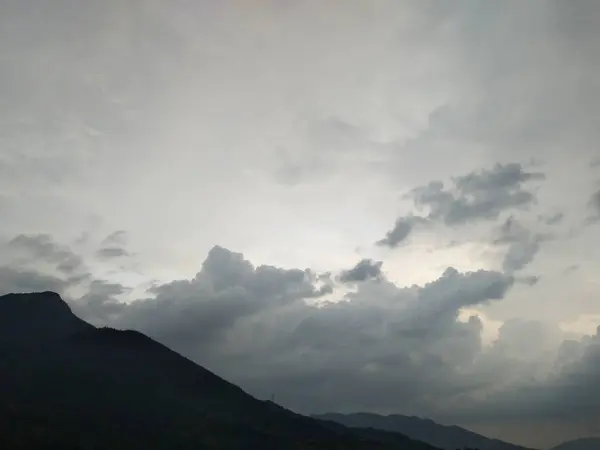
{"points": [[426, 162], [379, 347]]}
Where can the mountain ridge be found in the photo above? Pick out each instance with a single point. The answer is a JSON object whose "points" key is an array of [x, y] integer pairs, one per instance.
{"points": [[591, 443], [447, 437]]}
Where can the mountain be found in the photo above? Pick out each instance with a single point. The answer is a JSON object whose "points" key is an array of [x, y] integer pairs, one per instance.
{"points": [[65, 384], [35, 317], [580, 444], [425, 430]]}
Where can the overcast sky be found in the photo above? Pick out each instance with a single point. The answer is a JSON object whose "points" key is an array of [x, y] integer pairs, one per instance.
{"points": [[351, 205]]}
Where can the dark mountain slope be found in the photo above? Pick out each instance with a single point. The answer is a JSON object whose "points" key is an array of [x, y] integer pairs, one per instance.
{"points": [[425, 430], [580, 444], [66, 384], [36, 317]]}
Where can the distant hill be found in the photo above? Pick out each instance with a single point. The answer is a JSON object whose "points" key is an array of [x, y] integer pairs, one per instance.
{"points": [[580, 444], [425, 430], [65, 384]]}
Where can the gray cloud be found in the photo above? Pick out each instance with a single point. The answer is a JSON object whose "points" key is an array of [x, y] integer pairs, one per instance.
{"points": [[578, 379], [100, 304], [559, 386], [502, 177], [198, 311], [362, 271], [595, 201], [14, 280], [401, 231], [33, 263], [113, 246], [528, 280], [454, 290], [43, 247], [477, 195], [111, 252], [481, 195], [519, 255], [521, 244]]}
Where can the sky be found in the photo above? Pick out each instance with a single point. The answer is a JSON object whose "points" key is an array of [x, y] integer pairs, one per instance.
{"points": [[348, 205]]}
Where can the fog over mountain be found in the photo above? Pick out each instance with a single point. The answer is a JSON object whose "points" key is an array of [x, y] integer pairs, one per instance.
{"points": [[352, 206]]}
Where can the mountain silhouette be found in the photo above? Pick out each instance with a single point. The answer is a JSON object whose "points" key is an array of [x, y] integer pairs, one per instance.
{"points": [[425, 430], [65, 384], [35, 317], [580, 444]]}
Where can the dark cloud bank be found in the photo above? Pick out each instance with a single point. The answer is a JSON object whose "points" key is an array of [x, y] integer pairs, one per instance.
{"points": [[381, 348]]}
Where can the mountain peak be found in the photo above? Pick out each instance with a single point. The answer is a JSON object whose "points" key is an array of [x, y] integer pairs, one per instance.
{"points": [[33, 303], [33, 315]]}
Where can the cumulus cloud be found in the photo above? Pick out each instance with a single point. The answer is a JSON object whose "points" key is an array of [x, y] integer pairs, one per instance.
{"points": [[380, 348], [259, 327], [196, 312], [577, 391], [362, 271], [559, 384], [100, 304], [525, 340]]}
